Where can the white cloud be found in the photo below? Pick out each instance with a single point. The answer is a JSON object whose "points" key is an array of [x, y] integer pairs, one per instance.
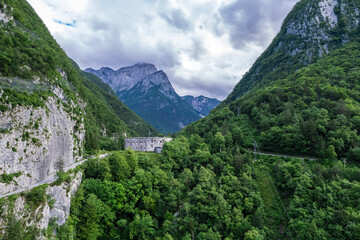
{"points": [[205, 46]]}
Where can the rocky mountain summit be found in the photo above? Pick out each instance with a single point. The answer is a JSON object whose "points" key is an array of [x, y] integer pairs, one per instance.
{"points": [[124, 78], [149, 93]]}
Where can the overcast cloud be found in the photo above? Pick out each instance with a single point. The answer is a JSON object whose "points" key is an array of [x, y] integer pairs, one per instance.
{"points": [[204, 46]]}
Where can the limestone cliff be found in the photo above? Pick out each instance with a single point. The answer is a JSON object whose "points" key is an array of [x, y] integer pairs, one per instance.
{"points": [[37, 209], [37, 142]]}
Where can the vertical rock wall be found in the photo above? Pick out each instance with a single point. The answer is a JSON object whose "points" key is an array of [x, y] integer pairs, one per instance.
{"points": [[37, 142]]}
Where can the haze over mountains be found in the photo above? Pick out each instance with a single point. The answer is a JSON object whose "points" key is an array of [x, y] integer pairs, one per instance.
{"points": [[149, 93]]}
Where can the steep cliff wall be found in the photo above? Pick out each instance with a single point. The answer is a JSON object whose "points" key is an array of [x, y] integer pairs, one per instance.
{"points": [[37, 142], [41, 132], [38, 209]]}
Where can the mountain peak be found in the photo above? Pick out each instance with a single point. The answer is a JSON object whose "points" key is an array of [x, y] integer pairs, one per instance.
{"points": [[106, 69], [144, 64], [124, 78], [160, 80], [141, 68]]}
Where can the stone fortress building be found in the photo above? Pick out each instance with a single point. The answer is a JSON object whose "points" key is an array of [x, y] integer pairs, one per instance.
{"points": [[146, 144]]}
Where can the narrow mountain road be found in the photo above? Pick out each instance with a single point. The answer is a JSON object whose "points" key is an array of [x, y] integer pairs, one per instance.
{"points": [[283, 155], [51, 178]]}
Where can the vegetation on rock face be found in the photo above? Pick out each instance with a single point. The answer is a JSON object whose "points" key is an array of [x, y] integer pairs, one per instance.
{"points": [[8, 178]]}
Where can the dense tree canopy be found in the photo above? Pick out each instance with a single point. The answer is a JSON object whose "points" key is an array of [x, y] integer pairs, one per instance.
{"points": [[315, 111]]}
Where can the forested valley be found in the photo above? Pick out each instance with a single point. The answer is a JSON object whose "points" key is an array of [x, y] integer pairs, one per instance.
{"points": [[207, 184], [213, 181]]}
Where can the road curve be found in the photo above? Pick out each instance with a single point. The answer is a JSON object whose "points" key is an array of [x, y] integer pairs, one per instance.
{"points": [[50, 179], [285, 156]]}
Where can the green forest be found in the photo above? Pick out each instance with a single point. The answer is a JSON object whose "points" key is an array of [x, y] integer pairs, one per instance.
{"points": [[314, 112], [197, 191]]}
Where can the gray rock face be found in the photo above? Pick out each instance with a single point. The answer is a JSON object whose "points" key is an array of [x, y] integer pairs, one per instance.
{"points": [[202, 104], [38, 142], [35, 143], [124, 78], [58, 210], [160, 80], [61, 208]]}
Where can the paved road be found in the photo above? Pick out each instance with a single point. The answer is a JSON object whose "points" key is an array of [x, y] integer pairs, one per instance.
{"points": [[281, 155], [50, 179]]}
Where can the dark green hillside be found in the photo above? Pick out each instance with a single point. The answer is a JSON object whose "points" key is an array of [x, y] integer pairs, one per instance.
{"points": [[315, 111], [27, 50], [305, 37]]}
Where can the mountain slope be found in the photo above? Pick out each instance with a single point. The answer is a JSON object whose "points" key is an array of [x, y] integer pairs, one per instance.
{"points": [[292, 109], [156, 101], [315, 111], [149, 93], [311, 30], [202, 104], [135, 124]]}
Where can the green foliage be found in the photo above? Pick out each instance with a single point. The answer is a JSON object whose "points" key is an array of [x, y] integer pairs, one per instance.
{"points": [[322, 200], [186, 191], [36, 196], [8, 178], [15, 98], [315, 111], [62, 177]]}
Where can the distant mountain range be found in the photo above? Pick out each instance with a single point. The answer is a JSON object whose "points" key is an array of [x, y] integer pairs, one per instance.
{"points": [[149, 93]]}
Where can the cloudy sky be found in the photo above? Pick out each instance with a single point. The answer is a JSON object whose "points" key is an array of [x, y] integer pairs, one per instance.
{"points": [[204, 46]]}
